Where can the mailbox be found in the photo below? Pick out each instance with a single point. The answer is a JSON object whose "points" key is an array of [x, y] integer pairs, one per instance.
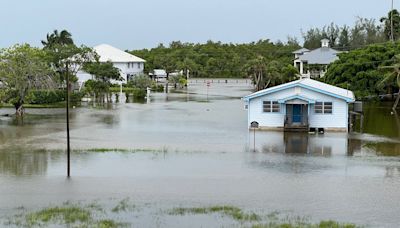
{"points": [[254, 124]]}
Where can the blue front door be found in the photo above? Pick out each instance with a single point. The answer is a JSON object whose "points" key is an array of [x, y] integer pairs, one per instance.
{"points": [[296, 113]]}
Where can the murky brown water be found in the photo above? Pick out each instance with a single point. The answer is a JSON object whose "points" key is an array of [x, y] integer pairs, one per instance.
{"points": [[207, 159]]}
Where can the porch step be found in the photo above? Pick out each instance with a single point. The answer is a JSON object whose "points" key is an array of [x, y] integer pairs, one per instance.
{"points": [[296, 128]]}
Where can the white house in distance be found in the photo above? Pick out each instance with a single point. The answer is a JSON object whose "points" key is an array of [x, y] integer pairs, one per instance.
{"points": [[158, 74], [129, 65], [313, 64], [301, 105]]}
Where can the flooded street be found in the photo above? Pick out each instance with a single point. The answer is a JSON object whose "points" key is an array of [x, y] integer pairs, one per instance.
{"points": [[193, 149]]}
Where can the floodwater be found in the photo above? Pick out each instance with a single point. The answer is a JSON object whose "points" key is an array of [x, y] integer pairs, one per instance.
{"points": [[204, 156]]}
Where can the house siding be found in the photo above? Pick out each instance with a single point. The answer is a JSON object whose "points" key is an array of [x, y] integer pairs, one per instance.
{"points": [[337, 120]]}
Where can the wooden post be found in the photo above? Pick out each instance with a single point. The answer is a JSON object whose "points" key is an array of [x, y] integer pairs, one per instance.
{"points": [[351, 122], [254, 140]]}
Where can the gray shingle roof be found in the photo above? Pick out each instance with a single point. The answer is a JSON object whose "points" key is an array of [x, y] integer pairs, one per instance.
{"points": [[322, 55]]}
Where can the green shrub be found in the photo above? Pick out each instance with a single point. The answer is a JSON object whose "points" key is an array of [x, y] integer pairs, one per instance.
{"points": [[52, 96], [76, 97], [45, 96], [157, 87]]}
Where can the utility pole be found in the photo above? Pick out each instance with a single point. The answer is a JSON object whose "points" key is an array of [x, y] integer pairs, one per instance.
{"points": [[391, 23], [67, 110]]}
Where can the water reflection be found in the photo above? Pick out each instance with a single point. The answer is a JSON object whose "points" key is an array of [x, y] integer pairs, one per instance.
{"points": [[303, 143], [19, 162], [292, 143], [380, 119]]}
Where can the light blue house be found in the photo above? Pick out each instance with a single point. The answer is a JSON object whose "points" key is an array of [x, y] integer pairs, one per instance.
{"points": [[300, 105]]}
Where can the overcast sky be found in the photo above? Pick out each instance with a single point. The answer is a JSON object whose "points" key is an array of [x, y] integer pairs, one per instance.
{"points": [[134, 24]]}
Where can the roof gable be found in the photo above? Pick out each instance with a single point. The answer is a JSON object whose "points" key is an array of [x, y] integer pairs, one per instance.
{"points": [[310, 84], [112, 54]]}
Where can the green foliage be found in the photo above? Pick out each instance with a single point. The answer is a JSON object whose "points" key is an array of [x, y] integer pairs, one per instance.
{"points": [[265, 74], [45, 96], [102, 71], [56, 38], [178, 80], [214, 59], [96, 87], [364, 32], [23, 68], [52, 96], [141, 81], [360, 70], [157, 87], [387, 25], [63, 56]]}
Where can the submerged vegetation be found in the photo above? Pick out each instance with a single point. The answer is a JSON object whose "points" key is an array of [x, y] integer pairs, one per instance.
{"points": [[233, 212], [384, 148], [272, 220], [123, 205], [322, 224], [95, 215], [67, 214]]}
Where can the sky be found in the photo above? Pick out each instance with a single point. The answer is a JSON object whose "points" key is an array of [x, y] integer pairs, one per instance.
{"points": [[133, 24]]}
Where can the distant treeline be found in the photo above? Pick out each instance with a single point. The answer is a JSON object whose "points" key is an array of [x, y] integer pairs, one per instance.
{"points": [[216, 59]]}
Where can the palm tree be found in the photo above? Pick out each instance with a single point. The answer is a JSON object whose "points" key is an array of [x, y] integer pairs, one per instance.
{"points": [[56, 38], [257, 68], [392, 20], [393, 75]]}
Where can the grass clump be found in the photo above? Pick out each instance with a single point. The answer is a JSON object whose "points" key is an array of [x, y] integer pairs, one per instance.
{"points": [[107, 223], [322, 224], [233, 212], [104, 150], [65, 215], [123, 205]]}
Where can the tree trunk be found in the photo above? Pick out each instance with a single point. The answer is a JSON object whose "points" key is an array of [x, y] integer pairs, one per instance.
{"points": [[19, 109], [397, 101]]}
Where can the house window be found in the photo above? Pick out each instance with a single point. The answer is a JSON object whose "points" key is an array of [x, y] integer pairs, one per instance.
{"points": [[323, 107], [328, 107], [319, 107], [266, 106], [275, 106], [271, 106]]}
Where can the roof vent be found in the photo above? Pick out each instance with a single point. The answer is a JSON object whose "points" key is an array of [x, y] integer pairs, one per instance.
{"points": [[325, 43]]}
